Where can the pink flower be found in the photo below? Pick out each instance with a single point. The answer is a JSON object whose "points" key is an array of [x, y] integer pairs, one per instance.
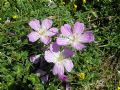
{"points": [[68, 87], [42, 31], [63, 77], [34, 58], [75, 37], [61, 59]]}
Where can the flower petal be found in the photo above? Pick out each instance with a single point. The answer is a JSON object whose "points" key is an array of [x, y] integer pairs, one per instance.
{"points": [[67, 53], [34, 58], [47, 23], [33, 36], [49, 56], [66, 30], [68, 65], [63, 41], [52, 32], [46, 40], [54, 47], [78, 46], [68, 87], [63, 77], [87, 37], [78, 28], [35, 24], [67, 26], [58, 69]]}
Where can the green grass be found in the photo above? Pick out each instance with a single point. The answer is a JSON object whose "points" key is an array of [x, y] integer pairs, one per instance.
{"points": [[99, 61]]}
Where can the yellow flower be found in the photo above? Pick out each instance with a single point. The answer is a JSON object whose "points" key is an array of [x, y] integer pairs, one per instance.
{"points": [[84, 1], [118, 88], [14, 16], [75, 7], [81, 75]]}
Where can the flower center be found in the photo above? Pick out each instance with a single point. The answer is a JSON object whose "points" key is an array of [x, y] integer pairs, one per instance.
{"points": [[42, 31], [74, 38], [59, 57]]}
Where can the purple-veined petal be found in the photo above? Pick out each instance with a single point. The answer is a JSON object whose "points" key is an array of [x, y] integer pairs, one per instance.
{"points": [[34, 58], [49, 56], [35, 24], [67, 26], [68, 64], [78, 46], [67, 53], [46, 40], [65, 30], [78, 28], [47, 23], [68, 87], [54, 47], [52, 32], [33, 36], [63, 41], [87, 37], [63, 77], [58, 69]]}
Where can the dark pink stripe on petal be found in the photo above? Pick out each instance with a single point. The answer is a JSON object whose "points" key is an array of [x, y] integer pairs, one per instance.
{"points": [[87, 37], [65, 30], [78, 28], [47, 23]]}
